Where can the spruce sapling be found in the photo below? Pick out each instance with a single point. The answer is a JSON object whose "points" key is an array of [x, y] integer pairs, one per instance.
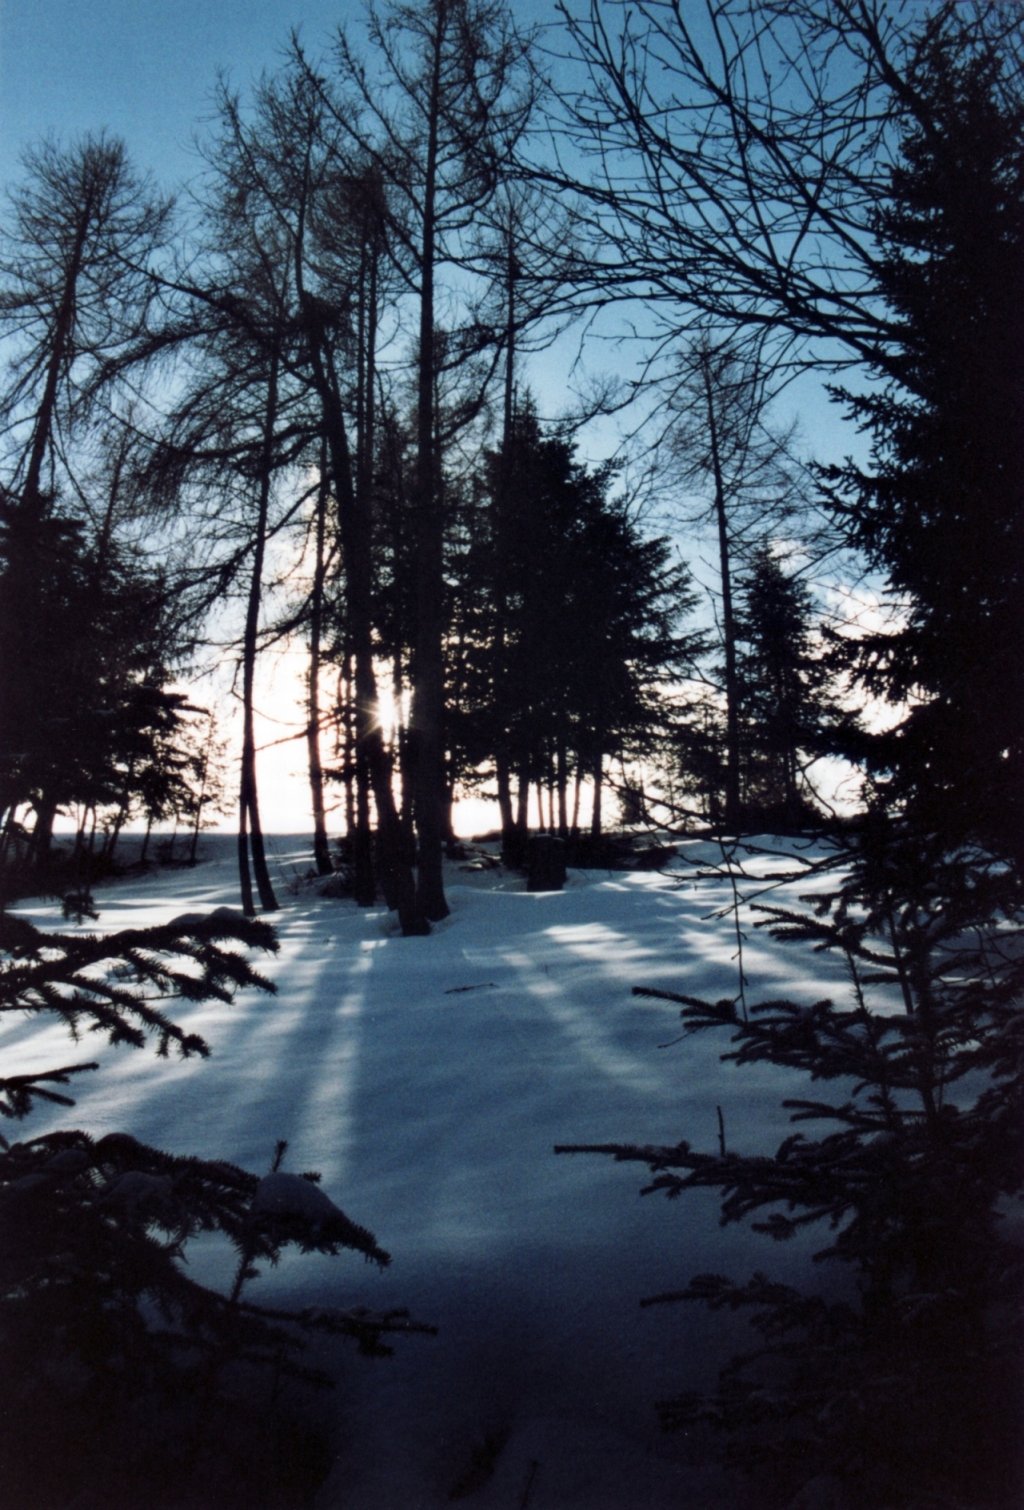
{"points": [[904, 1386]]}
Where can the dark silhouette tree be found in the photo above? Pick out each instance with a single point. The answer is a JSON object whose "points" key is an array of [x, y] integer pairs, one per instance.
{"points": [[735, 153], [786, 713], [243, 419], [579, 626], [906, 1386], [724, 448], [324, 221], [77, 249], [350, 253], [439, 110], [939, 507], [833, 180], [85, 702]]}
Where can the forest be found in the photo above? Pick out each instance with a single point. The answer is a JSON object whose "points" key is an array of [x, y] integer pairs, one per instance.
{"points": [[469, 373]]}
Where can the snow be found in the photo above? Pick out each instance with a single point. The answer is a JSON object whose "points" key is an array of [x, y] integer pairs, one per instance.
{"points": [[282, 1194], [428, 1080]]}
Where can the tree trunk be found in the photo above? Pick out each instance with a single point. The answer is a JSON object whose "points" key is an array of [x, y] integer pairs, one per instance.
{"points": [[7, 833], [732, 813], [268, 901], [369, 750], [595, 817], [506, 818], [250, 832], [114, 832], [562, 778], [354, 525], [321, 849], [63, 330], [244, 873], [577, 792], [523, 801], [42, 832], [502, 758], [204, 769], [345, 738], [426, 722]]}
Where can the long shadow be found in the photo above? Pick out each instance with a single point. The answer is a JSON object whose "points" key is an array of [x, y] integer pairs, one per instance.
{"points": [[428, 1080], [280, 1067], [516, 1031]]}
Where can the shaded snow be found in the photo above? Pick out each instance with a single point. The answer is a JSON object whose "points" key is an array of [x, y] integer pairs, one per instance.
{"points": [[428, 1079]]}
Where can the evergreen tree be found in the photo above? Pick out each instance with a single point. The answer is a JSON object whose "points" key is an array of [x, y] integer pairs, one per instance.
{"points": [[782, 692], [85, 710], [940, 509], [905, 1387], [906, 1384], [584, 624]]}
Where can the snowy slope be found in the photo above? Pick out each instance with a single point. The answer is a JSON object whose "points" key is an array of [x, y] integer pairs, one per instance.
{"points": [[428, 1079]]}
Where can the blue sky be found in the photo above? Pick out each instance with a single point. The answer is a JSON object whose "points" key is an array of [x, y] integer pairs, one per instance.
{"points": [[143, 69], [146, 70]]}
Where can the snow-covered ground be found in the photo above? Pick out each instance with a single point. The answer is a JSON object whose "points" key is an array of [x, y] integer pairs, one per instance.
{"points": [[428, 1080]]}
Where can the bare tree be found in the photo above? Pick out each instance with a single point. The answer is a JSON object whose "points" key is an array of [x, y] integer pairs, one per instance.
{"points": [[440, 111], [733, 155], [725, 452], [74, 260], [242, 420], [75, 252]]}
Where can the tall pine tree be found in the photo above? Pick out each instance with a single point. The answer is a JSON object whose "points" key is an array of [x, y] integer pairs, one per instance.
{"points": [[939, 511]]}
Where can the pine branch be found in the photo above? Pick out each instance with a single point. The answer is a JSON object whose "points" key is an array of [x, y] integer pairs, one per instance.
{"points": [[111, 984], [18, 1092]]}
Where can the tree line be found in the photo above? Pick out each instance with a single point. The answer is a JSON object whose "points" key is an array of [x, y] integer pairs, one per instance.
{"points": [[306, 394], [318, 381]]}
